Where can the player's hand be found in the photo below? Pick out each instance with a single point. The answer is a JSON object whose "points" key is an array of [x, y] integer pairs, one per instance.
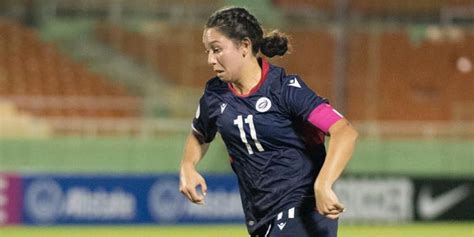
{"points": [[189, 180], [327, 203]]}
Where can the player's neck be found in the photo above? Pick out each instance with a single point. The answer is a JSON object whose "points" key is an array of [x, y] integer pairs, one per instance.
{"points": [[250, 77]]}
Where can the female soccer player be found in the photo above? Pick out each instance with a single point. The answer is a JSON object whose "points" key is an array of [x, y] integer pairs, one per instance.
{"points": [[273, 126]]}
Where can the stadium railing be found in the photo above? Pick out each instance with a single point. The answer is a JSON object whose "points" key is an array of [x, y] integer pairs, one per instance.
{"points": [[153, 127]]}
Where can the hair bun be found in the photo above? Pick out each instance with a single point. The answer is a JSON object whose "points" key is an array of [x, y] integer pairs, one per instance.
{"points": [[275, 43]]}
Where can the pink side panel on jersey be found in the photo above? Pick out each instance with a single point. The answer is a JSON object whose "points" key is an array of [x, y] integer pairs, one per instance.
{"points": [[324, 116]]}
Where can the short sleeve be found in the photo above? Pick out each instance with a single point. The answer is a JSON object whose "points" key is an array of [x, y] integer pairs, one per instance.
{"points": [[298, 99], [204, 125]]}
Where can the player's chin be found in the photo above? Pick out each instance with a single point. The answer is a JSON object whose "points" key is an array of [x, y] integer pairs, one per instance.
{"points": [[224, 78]]}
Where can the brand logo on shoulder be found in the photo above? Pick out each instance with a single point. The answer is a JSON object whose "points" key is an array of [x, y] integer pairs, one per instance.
{"points": [[294, 83], [223, 106], [263, 104], [198, 112]]}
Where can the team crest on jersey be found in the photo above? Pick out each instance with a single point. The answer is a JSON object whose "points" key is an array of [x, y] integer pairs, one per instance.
{"points": [[263, 104]]}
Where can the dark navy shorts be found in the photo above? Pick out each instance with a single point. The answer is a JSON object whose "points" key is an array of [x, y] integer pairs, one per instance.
{"points": [[302, 222]]}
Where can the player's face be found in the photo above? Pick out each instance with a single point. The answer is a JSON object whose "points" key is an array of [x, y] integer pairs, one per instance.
{"points": [[223, 54]]}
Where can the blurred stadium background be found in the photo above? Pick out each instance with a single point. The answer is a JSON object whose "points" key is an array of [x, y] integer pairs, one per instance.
{"points": [[107, 88]]}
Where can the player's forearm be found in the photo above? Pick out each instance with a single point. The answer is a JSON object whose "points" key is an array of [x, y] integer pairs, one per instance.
{"points": [[340, 149], [194, 151]]}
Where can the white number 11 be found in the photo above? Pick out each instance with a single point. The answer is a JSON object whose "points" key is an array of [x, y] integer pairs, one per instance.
{"points": [[240, 124]]}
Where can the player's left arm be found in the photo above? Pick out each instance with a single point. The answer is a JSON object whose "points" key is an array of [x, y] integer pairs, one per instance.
{"points": [[300, 102], [340, 148]]}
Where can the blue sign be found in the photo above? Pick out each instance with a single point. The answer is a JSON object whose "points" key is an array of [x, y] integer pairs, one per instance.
{"points": [[126, 199]]}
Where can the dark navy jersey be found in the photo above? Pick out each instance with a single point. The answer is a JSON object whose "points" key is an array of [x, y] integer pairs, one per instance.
{"points": [[275, 152]]}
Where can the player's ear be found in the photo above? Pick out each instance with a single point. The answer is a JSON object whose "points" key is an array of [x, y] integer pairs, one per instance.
{"points": [[246, 46]]}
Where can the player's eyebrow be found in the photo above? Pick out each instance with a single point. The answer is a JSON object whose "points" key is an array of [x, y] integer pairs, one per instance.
{"points": [[214, 43]]}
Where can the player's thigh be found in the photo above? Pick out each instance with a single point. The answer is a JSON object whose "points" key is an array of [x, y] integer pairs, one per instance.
{"points": [[302, 223], [319, 225]]}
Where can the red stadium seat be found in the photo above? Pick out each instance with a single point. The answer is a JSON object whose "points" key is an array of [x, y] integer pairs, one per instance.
{"points": [[30, 67]]}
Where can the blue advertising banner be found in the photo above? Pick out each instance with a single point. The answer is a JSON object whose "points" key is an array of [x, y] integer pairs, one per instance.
{"points": [[108, 199], [44, 199]]}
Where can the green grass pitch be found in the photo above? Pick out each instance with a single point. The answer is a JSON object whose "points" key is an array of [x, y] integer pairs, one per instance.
{"points": [[436, 229]]}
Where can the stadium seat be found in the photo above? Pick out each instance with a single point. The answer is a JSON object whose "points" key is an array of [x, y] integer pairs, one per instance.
{"points": [[32, 68]]}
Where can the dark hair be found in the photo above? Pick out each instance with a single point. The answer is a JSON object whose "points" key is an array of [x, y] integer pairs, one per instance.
{"points": [[237, 24]]}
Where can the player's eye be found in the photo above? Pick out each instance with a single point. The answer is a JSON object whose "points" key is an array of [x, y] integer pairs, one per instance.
{"points": [[216, 50]]}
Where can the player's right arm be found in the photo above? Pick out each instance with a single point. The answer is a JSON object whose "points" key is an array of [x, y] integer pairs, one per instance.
{"points": [[189, 178], [203, 131]]}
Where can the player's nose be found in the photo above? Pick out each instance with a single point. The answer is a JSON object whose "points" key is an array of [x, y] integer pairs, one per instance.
{"points": [[211, 59]]}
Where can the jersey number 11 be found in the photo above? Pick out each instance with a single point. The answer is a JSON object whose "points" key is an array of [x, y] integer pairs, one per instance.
{"points": [[240, 124]]}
